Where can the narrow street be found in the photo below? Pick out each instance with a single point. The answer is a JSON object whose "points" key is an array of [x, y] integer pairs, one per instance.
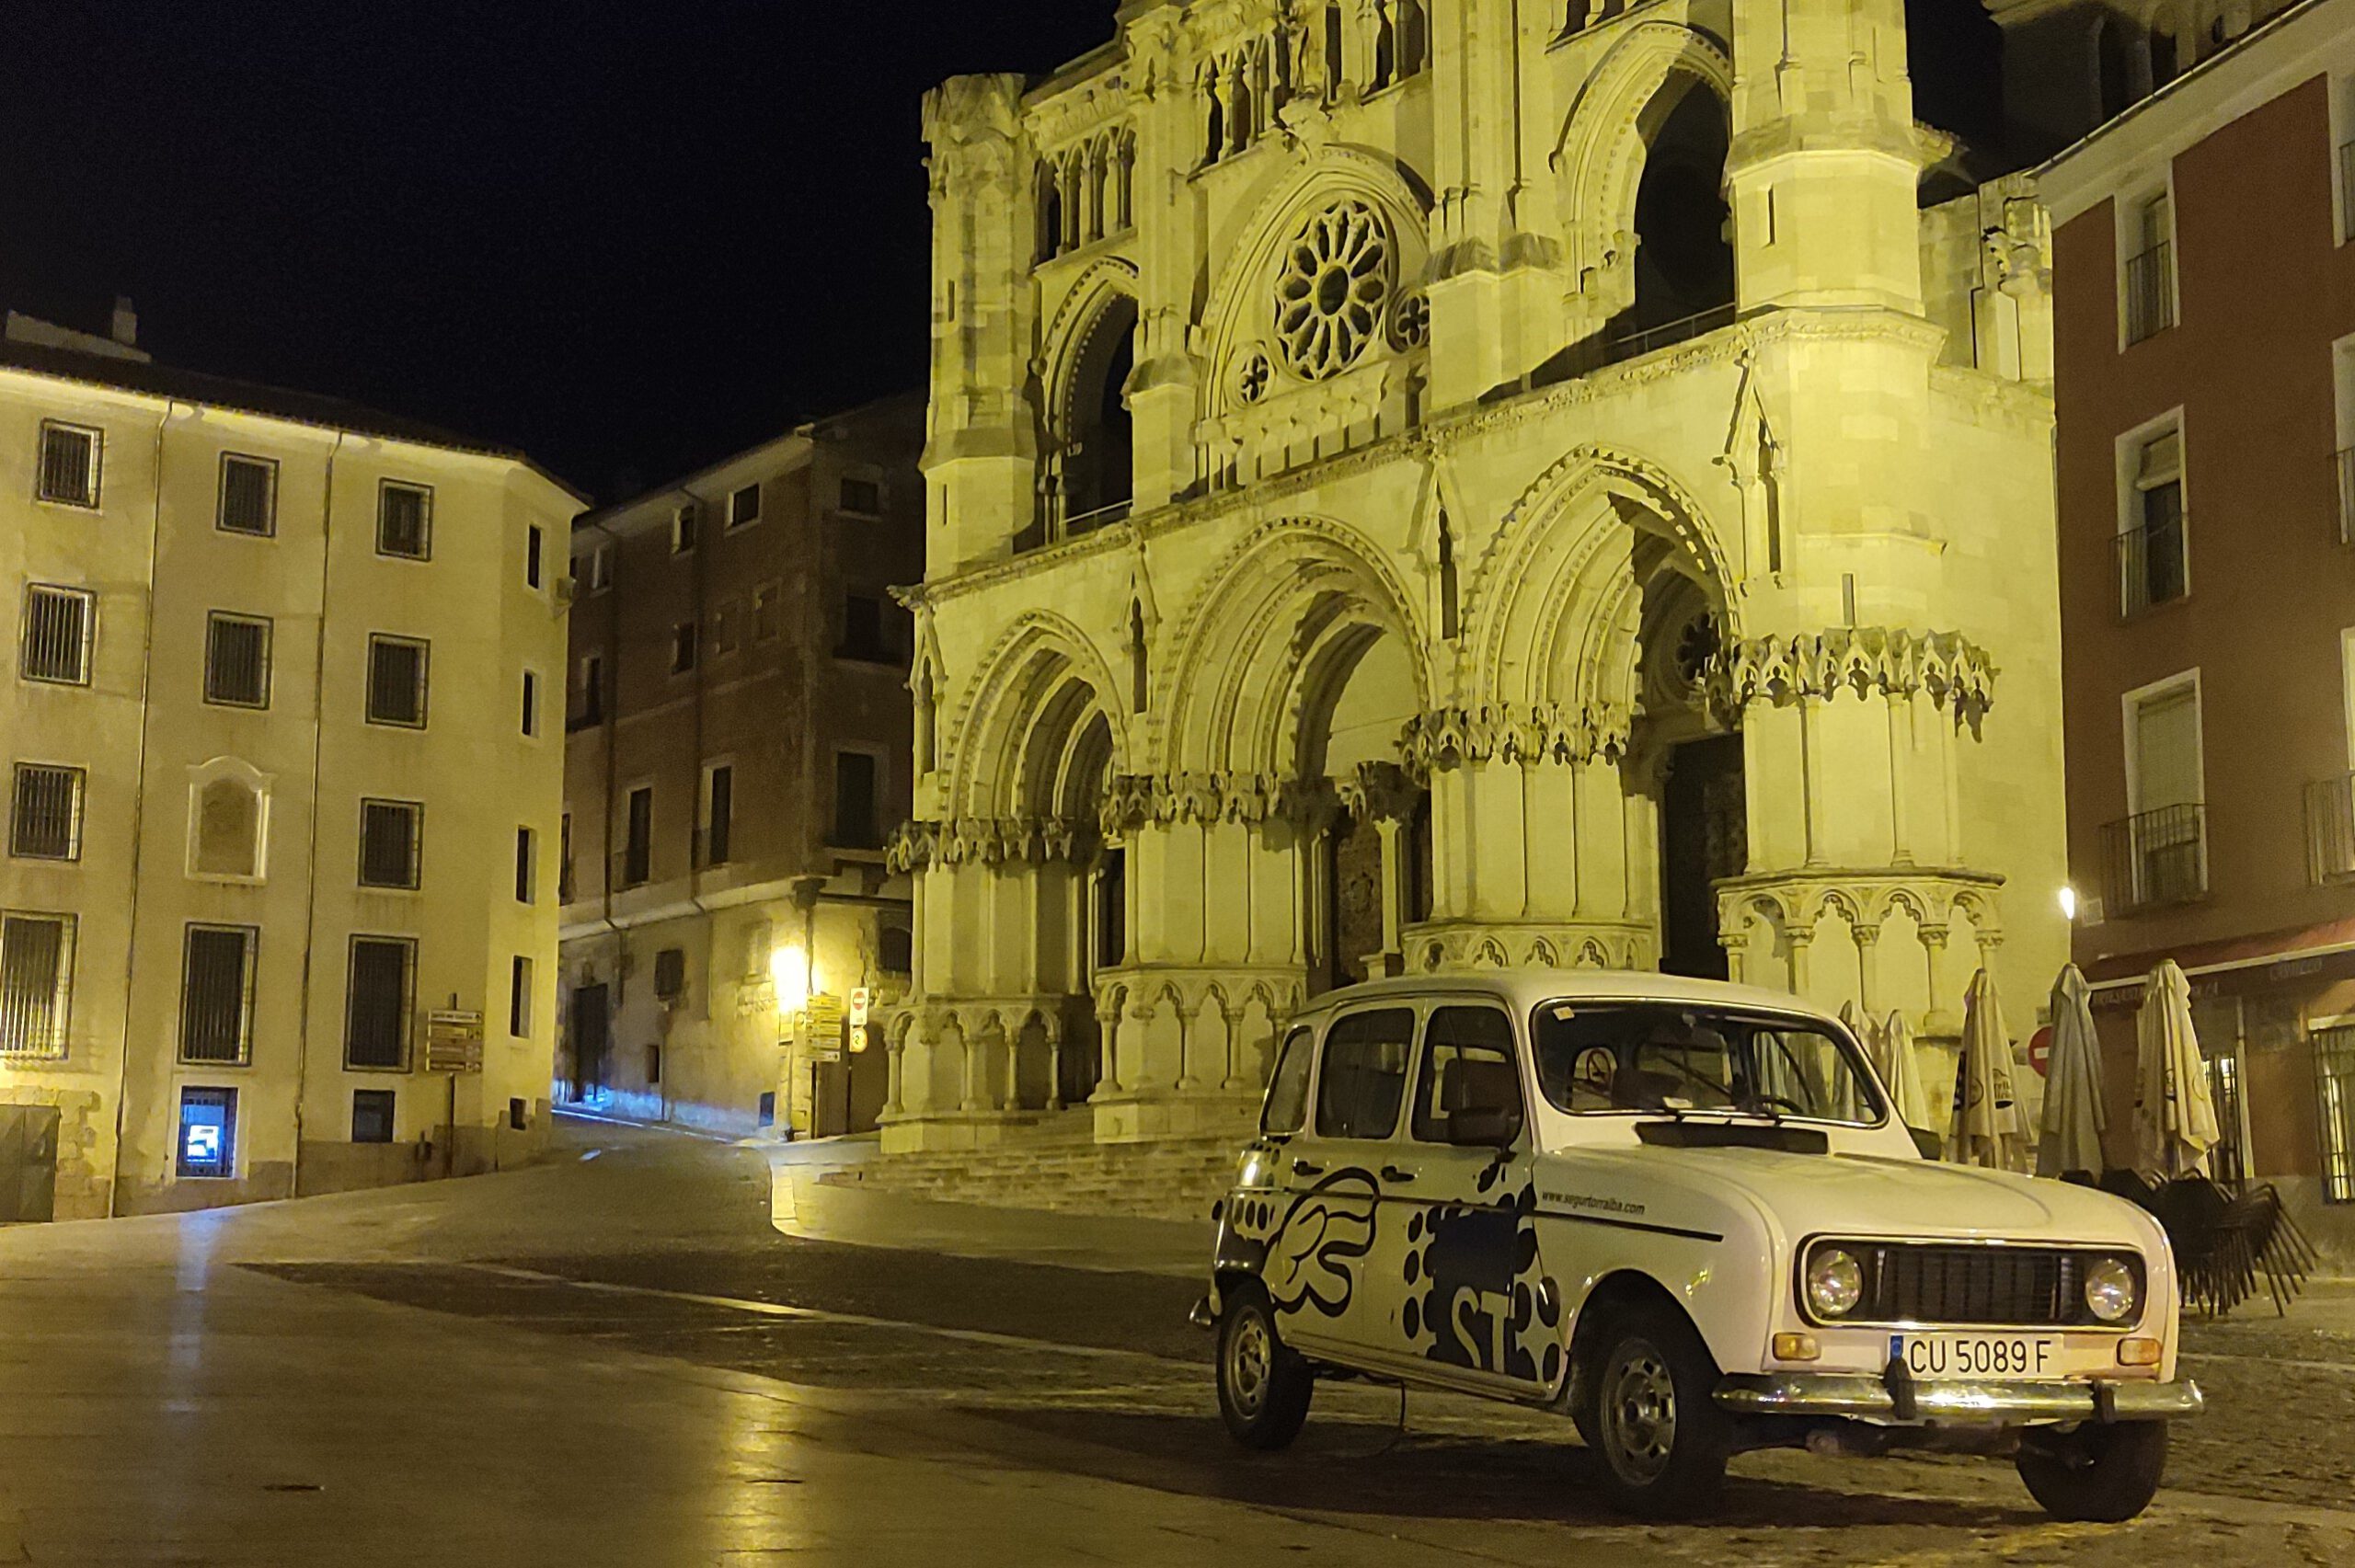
{"points": [[617, 1358]]}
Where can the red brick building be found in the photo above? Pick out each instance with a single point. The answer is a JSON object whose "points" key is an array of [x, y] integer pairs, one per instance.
{"points": [[2204, 353]]}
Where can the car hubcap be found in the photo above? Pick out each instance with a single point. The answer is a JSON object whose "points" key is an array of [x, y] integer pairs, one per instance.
{"points": [[1639, 1416], [1248, 1355]]}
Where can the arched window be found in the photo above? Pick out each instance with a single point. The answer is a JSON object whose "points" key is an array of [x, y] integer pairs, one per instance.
{"points": [[1099, 443], [1448, 627], [1683, 239], [228, 822], [2166, 58], [925, 755], [1215, 93], [2113, 67], [1051, 212], [1414, 38], [1139, 668]]}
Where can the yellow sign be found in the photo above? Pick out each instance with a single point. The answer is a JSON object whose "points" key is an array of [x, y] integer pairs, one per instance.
{"points": [[453, 1042], [825, 1015]]}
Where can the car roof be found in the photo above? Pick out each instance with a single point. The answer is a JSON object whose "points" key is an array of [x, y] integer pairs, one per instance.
{"points": [[1526, 987]]}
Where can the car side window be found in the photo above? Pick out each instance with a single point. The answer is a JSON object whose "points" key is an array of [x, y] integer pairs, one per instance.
{"points": [[1468, 1063], [1364, 1077], [1287, 1106]]}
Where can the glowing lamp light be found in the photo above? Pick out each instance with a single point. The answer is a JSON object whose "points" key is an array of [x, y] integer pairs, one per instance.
{"points": [[2068, 903], [789, 972]]}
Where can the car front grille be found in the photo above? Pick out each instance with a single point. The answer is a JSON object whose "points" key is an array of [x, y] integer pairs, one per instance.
{"points": [[1971, 1286]]}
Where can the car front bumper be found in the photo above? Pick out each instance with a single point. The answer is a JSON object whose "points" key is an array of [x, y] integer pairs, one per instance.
{"points": [[1895, 1399]]}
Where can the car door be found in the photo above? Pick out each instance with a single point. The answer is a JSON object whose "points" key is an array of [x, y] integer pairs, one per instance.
{"points": [[1318, 1272], [1476, 1308]]}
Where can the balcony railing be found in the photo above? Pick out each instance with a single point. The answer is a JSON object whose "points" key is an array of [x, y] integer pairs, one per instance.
{"points": [[2330, 829], [2346, 461], [1634, 345], [2155, 859], [2150, 567], [2150, 292]]}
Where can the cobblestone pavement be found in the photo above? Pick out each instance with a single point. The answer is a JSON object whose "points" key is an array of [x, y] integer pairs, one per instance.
{"points": [[616, 1360]]}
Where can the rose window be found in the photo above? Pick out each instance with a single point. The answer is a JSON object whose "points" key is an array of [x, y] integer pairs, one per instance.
{"points": [[1333, 290]]}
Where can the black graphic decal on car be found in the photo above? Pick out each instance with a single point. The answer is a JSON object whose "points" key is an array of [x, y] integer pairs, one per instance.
{"points": [[1476, 1297], [1312, 1257]]}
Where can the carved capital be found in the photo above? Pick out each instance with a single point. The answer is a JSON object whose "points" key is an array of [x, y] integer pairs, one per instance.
{"points": [[1854, 661], [1528, 734]]}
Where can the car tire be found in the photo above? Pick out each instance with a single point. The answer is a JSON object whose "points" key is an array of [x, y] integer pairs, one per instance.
{"points": [[2094, 1474], [1659, 1438], [1263, 1386]]}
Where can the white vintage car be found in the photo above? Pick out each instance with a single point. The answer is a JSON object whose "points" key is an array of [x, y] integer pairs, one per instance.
{"points": [[1683, 1214]]}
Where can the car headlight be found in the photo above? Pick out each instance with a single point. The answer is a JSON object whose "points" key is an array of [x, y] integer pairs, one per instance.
{"points": [[2111, 1293], [1836, 1282]]}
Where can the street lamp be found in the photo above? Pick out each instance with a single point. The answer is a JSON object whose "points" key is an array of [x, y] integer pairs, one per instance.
{"points": [[2068, 903]]}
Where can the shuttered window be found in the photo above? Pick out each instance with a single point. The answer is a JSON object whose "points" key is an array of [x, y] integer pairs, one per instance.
{"points": [[45, 812], [248, 496], [392, 836], [217, 993], [376, 1020], [56, 640], [396, 677], [36, 981], [237, 660], [69, 464], [405, 522]]}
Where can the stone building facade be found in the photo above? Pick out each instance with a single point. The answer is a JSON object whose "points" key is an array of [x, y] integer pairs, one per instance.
{"points": [[1418, 485], [2205, 339], [738, 749], [283, 773]]}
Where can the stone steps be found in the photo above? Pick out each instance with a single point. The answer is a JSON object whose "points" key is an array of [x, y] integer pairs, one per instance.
{"points": [[1172, 1179]]}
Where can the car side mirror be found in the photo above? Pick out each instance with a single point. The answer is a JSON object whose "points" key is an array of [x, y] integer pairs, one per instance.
{"points": [[1931, 1145], [1483, 1127]]}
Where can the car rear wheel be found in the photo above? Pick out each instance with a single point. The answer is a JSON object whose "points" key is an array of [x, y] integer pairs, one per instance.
{"points": [[1653, 1420], [1263, 1388], [2094, 1474]]}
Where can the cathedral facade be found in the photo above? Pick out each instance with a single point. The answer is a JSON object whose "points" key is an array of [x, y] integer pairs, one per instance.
{"points": [[1425, 484]]}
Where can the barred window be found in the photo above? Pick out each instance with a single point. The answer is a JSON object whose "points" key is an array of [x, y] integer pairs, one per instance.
{"points": [[744, 507], [237, 660], [404, 520], [396, 677], [2335, 1085], [69, 464], [383, 994], [45, 813], [392, 839], [56, 642], [248, 496], [217, 995], [36, 983], [371, 1115]]}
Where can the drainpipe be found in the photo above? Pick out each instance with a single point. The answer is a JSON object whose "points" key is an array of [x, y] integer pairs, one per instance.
{"points": [[138, 816], [311, 854]]}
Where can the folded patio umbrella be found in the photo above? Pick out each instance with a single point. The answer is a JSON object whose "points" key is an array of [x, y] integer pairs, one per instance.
{"points": [[1987, 1129], [2175, 1116], [1901, 1073], [2073, 1118]]}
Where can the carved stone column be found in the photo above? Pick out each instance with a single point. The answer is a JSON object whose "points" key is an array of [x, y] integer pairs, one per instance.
{"points": [[894, 1096], [1867, 935]]}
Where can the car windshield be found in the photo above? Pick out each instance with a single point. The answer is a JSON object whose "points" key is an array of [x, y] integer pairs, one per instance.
{"points": [[1620, 1058]]}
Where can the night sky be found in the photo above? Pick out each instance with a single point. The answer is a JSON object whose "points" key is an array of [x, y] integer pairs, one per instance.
{"points": [[628, 237]]}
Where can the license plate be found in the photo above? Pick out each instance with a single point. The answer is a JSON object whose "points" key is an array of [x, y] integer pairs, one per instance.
{"points": [[1935, 1356]]}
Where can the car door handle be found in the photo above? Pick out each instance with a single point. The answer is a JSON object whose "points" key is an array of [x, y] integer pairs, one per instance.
{"points": [[1393, 1173], [1302, 1168]]}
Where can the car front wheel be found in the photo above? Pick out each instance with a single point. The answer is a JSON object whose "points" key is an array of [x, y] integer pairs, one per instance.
{"points": [[1263, 1388], [2094, 1474], [1653, 1419]]}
